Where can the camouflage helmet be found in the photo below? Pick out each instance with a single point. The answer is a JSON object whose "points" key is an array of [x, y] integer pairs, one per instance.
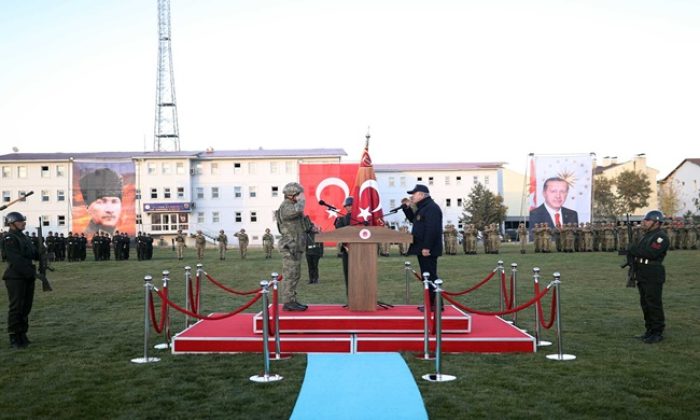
{"points": [[654, 215], [14, 216], [292, 189]]}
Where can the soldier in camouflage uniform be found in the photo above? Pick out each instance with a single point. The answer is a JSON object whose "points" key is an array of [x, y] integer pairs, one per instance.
{"points": [[180, 244], [292, 243], [243, 241], [522, 237], [200, 243], [622, 242], [692, 236], [222, 239], [402, 246], [546, 234], [268, 243]]}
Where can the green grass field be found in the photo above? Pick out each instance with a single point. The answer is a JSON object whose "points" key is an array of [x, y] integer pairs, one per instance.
{"points": [[86, 331]]}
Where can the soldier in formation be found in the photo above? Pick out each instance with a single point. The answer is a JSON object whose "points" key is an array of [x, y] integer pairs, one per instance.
{"points": [[200, 242], [243, 242], [522, 237], [222, 239], [268, 241], [180, 244]]}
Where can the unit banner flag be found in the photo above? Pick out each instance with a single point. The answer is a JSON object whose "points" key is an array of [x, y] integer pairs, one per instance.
{"points": [[367, 209]]}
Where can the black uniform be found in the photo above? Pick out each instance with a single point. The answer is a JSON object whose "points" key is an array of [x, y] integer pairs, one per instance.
{"points": [[339, 223], [427, 234], [19, 279], [314, 252], [649, 254]]}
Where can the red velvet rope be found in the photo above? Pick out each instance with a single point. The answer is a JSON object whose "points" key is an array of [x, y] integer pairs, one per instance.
{"points": [[232, 291], [471, 289], [194, 303], [507, 298], [507, 311], [210, 318], [552, 315], [157, 326]]}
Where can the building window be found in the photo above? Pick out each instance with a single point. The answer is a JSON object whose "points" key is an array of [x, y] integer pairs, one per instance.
{"points": [[200, 217], [21, 194], [179, 168], [392, 203], [214, 168], [6, 196], [459, 180], [60, 195], [200, 192], [21, 172], [253, 216], [215, 217], [476, 179], [237, 192], [251, 192], [154, 192], [45, 221], [430, 180], [251, 168], [391, 181], [167, 169], [6, 172], [486, 180], [448, 202], [236, 168], [289, 167], [44, 195], [198, 168], [447, 180], [402, 181], [60, 171], [275, 191], [180, 192], [61, 220], [459, 202], [237, 217], [273, 167], [138, 193], [419, 179], [214, 192], [45, 173], [151, 168], [166, 192]]}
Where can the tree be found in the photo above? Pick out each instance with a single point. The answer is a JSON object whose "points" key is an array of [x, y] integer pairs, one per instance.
{"points": [[604, 202], [482, 207], [633, 191], [669, 199]]}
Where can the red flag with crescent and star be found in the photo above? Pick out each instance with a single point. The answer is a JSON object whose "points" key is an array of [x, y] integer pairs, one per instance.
{"points": [[368, 207], [329, 183]]}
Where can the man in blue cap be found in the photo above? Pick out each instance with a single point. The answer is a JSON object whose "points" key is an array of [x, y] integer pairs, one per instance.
{"points": [[426, 217]]}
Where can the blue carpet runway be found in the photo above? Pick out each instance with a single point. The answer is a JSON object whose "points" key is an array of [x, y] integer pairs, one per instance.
{"points": [[358, 386]]}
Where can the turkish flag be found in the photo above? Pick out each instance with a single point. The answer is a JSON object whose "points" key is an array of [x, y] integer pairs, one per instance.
{"points": [[532, 193], [330, 183], [368, 208]]}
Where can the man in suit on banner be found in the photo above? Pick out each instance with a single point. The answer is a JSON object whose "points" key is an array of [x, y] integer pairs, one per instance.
{"points": [[552, 211]]}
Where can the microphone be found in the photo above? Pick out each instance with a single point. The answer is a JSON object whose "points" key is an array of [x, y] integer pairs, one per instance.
{"points": [[28, 194], [395, 209], [323, 203]]}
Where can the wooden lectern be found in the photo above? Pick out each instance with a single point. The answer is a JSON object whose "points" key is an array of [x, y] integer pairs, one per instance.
{"points": [[362, 260]]}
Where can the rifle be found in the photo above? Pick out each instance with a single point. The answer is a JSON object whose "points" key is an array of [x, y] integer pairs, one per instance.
{"points": [[629, 262], [43, 261]]}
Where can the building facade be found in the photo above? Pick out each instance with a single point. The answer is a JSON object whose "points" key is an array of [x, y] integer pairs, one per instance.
{"points": [[684, 180]]}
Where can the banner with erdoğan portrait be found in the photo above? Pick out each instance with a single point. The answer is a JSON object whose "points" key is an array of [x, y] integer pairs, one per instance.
{"points": [[330, 183], [103, 197], [568, 194]]}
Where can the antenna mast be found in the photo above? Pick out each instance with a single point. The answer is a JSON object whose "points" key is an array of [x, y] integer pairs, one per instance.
{"points": [[167, 134]]}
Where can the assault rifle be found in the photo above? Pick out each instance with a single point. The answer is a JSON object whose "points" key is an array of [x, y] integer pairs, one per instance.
{"points": [[43, 261], [629, 262]]}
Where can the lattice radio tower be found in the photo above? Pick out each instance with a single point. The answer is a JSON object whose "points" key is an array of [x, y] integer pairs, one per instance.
{"points": [[167, 135]]}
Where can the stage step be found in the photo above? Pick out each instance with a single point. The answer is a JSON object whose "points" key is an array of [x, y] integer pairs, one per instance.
{"points": [[337, 319]]}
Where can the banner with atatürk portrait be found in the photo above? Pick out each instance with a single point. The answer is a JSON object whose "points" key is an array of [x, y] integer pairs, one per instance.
{"points": [[103, 197], [560, 190]]}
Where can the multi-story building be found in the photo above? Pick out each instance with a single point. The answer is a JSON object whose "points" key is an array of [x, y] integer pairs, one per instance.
{"points": [[684, 181], [610, 168]]}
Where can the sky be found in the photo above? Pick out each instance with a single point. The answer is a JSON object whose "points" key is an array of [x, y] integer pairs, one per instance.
{"points": [[434, 80]]}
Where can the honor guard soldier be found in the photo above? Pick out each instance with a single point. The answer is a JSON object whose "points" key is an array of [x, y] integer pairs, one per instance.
{"points": [[522, 237], [140, 246], [268, 240], [200, 242], [19, 277], [222, 239], [179, 244], [314, 250], [292, 243], [149, 246], [243, 241], [650, 274]]}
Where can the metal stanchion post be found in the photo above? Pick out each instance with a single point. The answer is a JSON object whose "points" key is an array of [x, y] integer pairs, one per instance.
{"points": [[426, 322], [514, 274], [538, 342], [266, 376], [278, 342], [560, 355], [166, 323], [438, 376], [500, 282], [188, 282], [406, 269], [148, 285], [200, 283]]}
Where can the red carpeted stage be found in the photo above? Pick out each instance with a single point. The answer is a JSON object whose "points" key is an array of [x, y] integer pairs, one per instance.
{"points": [[333, 328]]}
